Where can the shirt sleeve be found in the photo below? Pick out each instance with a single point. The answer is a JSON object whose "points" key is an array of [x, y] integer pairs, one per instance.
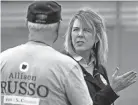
{"points": [[76, 88], [2, 61]]}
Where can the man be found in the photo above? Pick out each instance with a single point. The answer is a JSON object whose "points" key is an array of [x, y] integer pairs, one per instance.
{"points": [[36, 74]]}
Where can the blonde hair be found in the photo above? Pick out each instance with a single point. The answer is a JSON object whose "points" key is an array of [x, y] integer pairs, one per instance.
{"points": [[94, 21]]}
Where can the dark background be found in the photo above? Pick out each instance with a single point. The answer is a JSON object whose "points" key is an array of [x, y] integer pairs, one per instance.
{"points": [[121, 18]]}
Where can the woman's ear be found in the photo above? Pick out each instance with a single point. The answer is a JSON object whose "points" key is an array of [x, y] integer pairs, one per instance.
{"points": [[96, 38]]}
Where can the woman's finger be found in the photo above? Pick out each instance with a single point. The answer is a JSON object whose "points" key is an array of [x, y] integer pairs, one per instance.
{"points": [[131, 82], [127, 74], [116, 72], [131, 78]]}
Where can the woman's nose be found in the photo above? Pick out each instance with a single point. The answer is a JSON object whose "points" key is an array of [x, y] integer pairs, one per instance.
{"points": [[80, 33]]}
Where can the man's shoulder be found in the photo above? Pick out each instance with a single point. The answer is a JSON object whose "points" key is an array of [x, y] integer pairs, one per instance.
{"points": [[65, 53], [64, 59], [9, 52]]}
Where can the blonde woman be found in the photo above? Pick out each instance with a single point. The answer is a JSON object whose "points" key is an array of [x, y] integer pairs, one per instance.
{"points": [[86, 42]]}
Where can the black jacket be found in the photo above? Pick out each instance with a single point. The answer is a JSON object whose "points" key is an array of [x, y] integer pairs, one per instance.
{"points": [[101, 94]]}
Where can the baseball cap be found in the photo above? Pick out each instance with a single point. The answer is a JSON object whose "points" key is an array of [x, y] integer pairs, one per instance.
{"points": [[44, 12]]}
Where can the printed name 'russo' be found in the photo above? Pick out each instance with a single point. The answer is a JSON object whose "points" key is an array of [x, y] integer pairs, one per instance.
{"points": [[19, 84]]}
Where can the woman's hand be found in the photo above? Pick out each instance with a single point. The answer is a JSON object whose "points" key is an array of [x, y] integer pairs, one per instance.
{"points": [[123, 81]]}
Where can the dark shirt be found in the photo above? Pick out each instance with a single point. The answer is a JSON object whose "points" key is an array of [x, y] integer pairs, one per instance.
{"points": [[100, 93]]}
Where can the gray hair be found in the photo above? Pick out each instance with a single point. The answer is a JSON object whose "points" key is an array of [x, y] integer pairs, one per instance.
{"points": [[96, 22], [38, 27]]}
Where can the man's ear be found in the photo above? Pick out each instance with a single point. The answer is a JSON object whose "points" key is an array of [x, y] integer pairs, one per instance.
{"points": [[57, 31], [26, 23], [58, 27]]}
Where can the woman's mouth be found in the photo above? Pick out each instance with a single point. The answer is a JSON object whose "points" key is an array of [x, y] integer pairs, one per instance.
{"points": [[80, 42]]}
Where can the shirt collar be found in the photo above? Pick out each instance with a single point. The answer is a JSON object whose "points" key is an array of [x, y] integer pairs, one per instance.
{"points": [[81, 60]]}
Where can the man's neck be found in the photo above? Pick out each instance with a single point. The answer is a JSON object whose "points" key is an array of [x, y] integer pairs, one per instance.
{"points": [[42, 38]]}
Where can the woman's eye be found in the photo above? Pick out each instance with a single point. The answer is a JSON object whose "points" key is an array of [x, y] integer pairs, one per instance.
{"points": [[75, 29], [87, 30]]}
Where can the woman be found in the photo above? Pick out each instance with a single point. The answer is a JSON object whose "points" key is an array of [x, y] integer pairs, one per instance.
{"points": [[86, 42]]}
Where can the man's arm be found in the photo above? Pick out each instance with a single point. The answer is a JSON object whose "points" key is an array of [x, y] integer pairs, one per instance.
{"points": [[76, 88]]}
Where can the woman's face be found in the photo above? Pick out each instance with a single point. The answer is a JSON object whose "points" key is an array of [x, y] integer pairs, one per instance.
{"points": [[82, 36]]}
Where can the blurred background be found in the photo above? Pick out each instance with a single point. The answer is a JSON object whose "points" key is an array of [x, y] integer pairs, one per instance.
{"points": [[121, 18]]}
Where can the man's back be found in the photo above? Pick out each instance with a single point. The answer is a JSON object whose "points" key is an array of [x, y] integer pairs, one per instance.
{"points": [[34, 74]]}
